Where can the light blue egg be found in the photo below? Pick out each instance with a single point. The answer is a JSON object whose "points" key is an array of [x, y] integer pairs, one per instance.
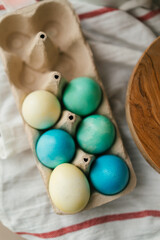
{"points": [[95, 134], [55, 147], [82, 96], [109, 174]]}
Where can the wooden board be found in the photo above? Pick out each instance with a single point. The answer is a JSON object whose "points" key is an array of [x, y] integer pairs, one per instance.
{"points": [[143, 104], [38, 43]]}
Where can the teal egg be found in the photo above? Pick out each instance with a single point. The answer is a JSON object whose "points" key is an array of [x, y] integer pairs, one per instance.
{"points": [[82, 96], [95, 134], [55, 147], [109, 174]]}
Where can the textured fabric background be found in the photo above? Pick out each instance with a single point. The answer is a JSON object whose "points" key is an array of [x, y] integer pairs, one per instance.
{"points": [[117, 38]]}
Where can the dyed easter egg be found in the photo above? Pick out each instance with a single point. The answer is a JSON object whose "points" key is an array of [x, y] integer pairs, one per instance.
{"points": [[41, 109], [95, 134], [109, 174], [69, 188], [55, 147], [82, 96]]}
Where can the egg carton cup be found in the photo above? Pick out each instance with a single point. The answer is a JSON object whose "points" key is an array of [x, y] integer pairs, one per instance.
{"points": [[37, 40]]}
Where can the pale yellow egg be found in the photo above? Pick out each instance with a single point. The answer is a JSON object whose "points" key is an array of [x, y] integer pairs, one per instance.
{"points": [[69, 188], [41, 109]]}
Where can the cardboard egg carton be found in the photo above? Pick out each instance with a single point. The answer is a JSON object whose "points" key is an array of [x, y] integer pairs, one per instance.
{"points": [[42, 46]]}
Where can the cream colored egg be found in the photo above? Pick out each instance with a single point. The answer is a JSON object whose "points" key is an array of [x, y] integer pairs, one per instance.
{"points": [[69, 188], [41, 109]]}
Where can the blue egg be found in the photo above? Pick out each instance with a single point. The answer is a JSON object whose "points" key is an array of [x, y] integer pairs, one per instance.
{"points": [[55, 147], [82, 96], [95, 134], [109, 174]]}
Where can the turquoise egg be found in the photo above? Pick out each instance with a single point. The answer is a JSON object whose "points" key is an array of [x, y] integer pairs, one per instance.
{"points": [[55, 147], [109, 174], [82, 96], [95, 134]]}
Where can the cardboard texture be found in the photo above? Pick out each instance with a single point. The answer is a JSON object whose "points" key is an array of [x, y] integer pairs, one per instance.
{"points": [[39, 43]]}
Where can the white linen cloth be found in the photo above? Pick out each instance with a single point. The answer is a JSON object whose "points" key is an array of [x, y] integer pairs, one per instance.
{"points": [[117, 39]]}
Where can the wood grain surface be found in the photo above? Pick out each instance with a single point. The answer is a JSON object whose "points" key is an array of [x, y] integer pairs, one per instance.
{"points": [[143, 104]]}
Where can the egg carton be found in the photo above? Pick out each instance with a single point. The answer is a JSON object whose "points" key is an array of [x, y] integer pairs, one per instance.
{"points": [[37, 40]]}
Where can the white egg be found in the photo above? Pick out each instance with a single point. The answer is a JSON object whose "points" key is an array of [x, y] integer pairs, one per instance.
{"points": [[41, 109], [69, 188]]}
